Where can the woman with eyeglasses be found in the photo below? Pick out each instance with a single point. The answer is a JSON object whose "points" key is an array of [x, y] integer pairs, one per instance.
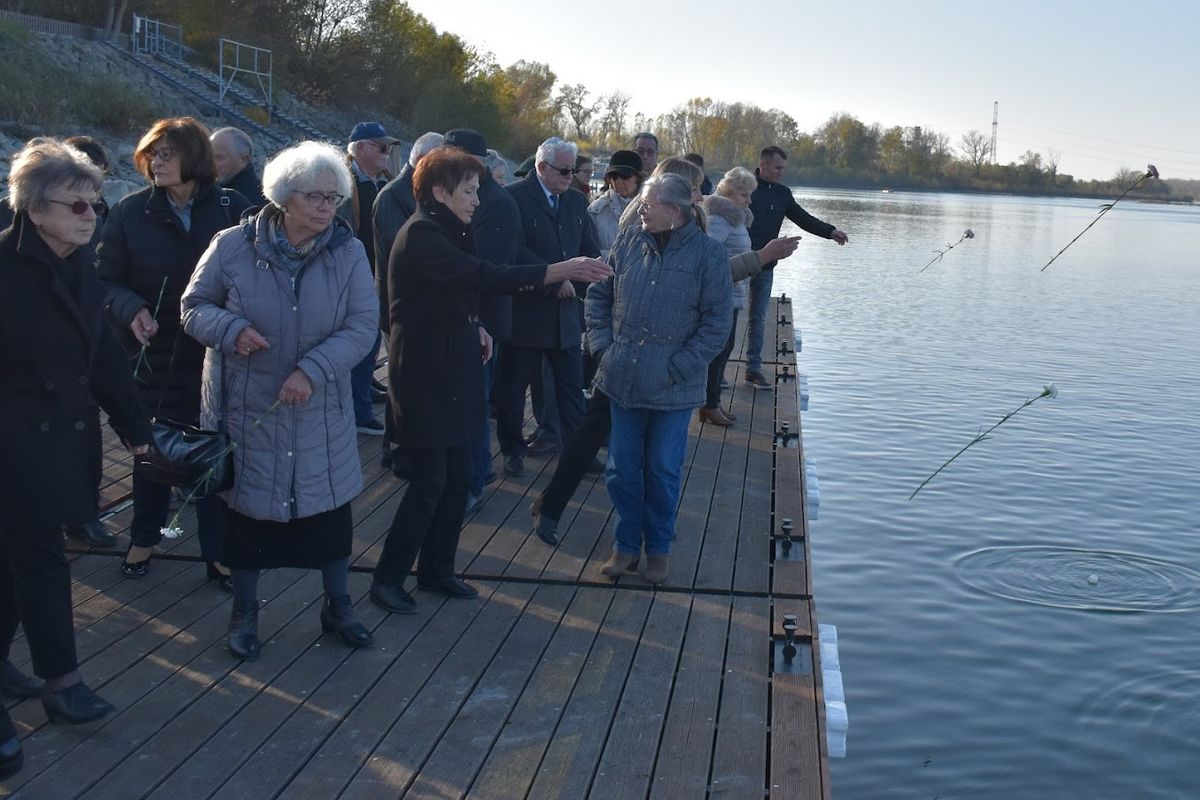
{"points": [[582, 182], [151, 243], [58, 355], [287, 306], [654, 327]]}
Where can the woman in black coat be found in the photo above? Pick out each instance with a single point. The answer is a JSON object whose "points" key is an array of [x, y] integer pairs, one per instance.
{"points": [[436, 370], [57, 356], [151, 244]]}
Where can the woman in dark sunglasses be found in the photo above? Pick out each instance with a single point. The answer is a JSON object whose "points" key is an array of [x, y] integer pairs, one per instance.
{"points": [[57, 356], [150, 246]]}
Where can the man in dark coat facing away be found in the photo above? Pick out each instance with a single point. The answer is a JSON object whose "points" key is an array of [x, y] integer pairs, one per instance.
{"points": [[555, 226], [497, 229]]}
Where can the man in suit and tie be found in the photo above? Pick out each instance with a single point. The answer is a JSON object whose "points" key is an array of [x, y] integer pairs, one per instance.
{"points": [[555, 226]]}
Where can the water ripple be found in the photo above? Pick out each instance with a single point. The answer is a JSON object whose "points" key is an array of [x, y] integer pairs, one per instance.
{"points": [[1090, 580]]}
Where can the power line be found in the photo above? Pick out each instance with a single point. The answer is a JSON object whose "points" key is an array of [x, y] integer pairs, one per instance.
{"points": [[1112, 141]]}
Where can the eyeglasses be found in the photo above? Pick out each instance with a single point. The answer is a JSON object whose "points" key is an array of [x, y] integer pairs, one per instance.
{"points": [[619, 176], [318, 199], [80, 207], [564, 171], [384, 147], [164, 155]]}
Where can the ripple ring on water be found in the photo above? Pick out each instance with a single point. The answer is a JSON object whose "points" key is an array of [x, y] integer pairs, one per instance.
{"points": [[1089, 580]]}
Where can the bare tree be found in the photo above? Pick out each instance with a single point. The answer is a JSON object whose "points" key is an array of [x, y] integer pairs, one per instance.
{"points": [[977, 148], [577, 107], [1052, 158], [114, 16], [612, 125]]}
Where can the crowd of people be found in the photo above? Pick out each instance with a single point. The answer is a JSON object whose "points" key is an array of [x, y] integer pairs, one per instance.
{"points": [[257, 307]]}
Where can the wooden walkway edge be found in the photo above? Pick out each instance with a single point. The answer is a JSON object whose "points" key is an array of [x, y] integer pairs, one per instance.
{"points": [[554, 683]]}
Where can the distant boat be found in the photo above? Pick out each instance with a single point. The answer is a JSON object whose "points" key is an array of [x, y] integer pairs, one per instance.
{"points": [[886, 190]]}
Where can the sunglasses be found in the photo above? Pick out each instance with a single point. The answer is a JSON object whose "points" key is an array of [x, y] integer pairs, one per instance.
{"points": [[383, 147], [564, 171], [81, 206]]}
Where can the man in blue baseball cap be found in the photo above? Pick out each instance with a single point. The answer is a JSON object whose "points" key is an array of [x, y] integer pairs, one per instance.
{"points": [[368, 155]]}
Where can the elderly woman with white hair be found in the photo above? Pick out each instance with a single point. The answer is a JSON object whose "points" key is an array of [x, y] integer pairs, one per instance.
{"points": [[286, 304], [654, 327]]}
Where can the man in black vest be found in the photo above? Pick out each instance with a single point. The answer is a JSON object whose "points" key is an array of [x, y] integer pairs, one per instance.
{"points": [[555, 226], [770, 203]]}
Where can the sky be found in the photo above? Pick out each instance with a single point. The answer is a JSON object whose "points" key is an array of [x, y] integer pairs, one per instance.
{"points": [[1105, 84]]}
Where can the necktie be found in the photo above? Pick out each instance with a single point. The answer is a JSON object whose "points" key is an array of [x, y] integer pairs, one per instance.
{"points": [[554, 203]]}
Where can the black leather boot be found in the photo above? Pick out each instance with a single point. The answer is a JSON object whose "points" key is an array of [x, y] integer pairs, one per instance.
{"points": [[75, 705], [12, 758], [16, 684], [243, 631], [337, 616]]}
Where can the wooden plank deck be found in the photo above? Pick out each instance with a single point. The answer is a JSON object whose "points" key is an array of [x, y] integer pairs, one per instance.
{"points": [[554, 683]]}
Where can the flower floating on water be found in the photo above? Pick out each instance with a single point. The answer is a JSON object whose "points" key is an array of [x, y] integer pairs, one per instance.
{"points": [[1048, 390], [967, 234], [1150, 173], [171, 532]]}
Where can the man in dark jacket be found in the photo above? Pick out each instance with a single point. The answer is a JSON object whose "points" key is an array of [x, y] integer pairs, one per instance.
{"points": [[368, 151], [393, 206], [233, 152], [497, 229], [555, 225], [770, 204]]}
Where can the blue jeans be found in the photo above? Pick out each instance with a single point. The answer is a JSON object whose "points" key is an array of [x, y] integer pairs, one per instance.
{"points": [[481, 450], [760, 302], [360, 384], [645, 466]]}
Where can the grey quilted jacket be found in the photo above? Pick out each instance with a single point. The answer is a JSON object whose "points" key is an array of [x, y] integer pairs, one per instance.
{"points": [[660, 319], [299, 460]]}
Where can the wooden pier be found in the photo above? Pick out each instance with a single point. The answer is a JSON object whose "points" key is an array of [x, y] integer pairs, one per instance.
{"points": [[554, 683]]}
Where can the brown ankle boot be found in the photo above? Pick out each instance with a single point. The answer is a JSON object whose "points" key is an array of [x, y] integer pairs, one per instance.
{"points": [[714, 416], [656, 568], [617, 563]]}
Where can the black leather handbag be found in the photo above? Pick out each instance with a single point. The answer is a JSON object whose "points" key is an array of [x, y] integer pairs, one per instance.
{"points": [[197, 461]]}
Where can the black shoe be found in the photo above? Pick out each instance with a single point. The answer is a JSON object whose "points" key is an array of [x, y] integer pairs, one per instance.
{"points": [[337, 616], [12, 758], [371, 427], [378, 396], [75, 705], [378, 386], [542, 447], [514, 466], [16, 684], [595, 467], [243, 632], [490, 478], [393, 598], [93, 534], [224, 580], [756, 379], [545, 528], [135, 569], [452, 586]]}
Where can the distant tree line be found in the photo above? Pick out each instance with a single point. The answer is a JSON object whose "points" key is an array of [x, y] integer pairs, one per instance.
{"points": [[382, 55]]}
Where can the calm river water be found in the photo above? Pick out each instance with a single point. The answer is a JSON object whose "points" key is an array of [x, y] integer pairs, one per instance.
{"points": [[1029, 625]]}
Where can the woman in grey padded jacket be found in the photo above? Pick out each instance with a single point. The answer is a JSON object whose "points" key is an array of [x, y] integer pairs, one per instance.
{"points": [[287, 306]]}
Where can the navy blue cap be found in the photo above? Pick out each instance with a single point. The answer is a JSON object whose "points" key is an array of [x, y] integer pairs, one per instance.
{"points": [[371, 130]]}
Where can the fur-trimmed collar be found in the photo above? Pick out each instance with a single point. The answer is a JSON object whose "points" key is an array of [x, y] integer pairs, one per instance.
{"points": [[718, 206]]}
